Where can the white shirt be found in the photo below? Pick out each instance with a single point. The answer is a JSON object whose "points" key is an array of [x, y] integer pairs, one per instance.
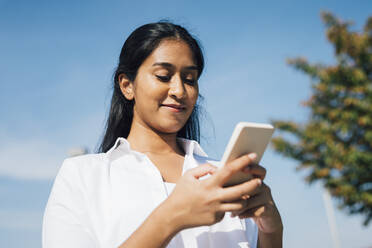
{"points": [[99, 200]]}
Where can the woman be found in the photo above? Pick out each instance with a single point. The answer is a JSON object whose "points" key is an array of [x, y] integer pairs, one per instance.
{"points": [[143, 189]]}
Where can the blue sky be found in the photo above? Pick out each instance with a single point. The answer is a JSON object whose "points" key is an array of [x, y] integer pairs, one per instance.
{"points": [[56, 63]]}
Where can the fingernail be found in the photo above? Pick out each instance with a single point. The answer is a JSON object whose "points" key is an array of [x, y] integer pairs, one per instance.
{"points": [[252, 156], [245, 197]]}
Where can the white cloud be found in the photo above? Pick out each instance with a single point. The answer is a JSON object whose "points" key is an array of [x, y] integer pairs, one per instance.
{"points": [[30, 159]]}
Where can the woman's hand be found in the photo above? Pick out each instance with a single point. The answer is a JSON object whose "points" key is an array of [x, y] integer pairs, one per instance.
{"points": [[204, 202], [261, 207]]}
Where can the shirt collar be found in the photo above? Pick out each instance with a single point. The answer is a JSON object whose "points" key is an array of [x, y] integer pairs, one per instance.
{"points": [[122, 147], [191, 147]]}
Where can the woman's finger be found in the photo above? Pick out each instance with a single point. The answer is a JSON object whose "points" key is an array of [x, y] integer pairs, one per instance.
{"points": [[254, 202], [202, 170], [232, 193], [236, 206], [253, 212], [256, 170], [222, 175]]}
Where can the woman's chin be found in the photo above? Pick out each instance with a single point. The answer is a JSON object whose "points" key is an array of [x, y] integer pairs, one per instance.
{"points": [[171, 128]]}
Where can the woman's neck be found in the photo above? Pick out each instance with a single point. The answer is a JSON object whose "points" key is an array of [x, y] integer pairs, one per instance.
{"points": [[146, 140]]}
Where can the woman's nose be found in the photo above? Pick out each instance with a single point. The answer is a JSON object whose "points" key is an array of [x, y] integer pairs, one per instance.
{"points": [[177, 88]]}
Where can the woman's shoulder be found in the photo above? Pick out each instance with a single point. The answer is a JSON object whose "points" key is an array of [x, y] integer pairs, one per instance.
{"points": [[86, 159], [83, 166]]}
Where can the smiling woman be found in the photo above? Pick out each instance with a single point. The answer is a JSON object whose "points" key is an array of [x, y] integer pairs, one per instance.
{"points": [[139, 45], [144, 188], [165, 89]]}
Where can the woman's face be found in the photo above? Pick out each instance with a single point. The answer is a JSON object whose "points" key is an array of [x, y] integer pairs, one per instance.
{"points": [[166, 89]]}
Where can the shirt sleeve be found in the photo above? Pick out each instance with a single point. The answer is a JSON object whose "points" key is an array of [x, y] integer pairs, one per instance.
{"points": [[65, 222]]}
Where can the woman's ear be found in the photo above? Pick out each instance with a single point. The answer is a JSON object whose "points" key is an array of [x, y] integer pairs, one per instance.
{"points": [[126, 87]]}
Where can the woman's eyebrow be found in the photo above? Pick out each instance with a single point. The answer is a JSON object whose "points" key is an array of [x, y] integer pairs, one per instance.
{"points": [[192, 67], [169, 65], [163, 64]]}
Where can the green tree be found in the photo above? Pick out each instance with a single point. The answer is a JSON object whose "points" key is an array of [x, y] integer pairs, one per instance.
{"points": [[335, 143]]}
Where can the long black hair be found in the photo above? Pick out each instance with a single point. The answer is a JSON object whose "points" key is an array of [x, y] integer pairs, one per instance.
{"points": [[139, 45]]}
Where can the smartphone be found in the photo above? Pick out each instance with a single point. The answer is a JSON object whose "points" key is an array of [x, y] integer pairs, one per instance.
{"points": [[247, 137]]}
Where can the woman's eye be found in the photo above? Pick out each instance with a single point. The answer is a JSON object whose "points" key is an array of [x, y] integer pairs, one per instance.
{"points": [[163, 78], [190, 81]]}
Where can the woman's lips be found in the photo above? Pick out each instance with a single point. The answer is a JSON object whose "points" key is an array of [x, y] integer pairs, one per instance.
{"points": [[174, 107]]}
